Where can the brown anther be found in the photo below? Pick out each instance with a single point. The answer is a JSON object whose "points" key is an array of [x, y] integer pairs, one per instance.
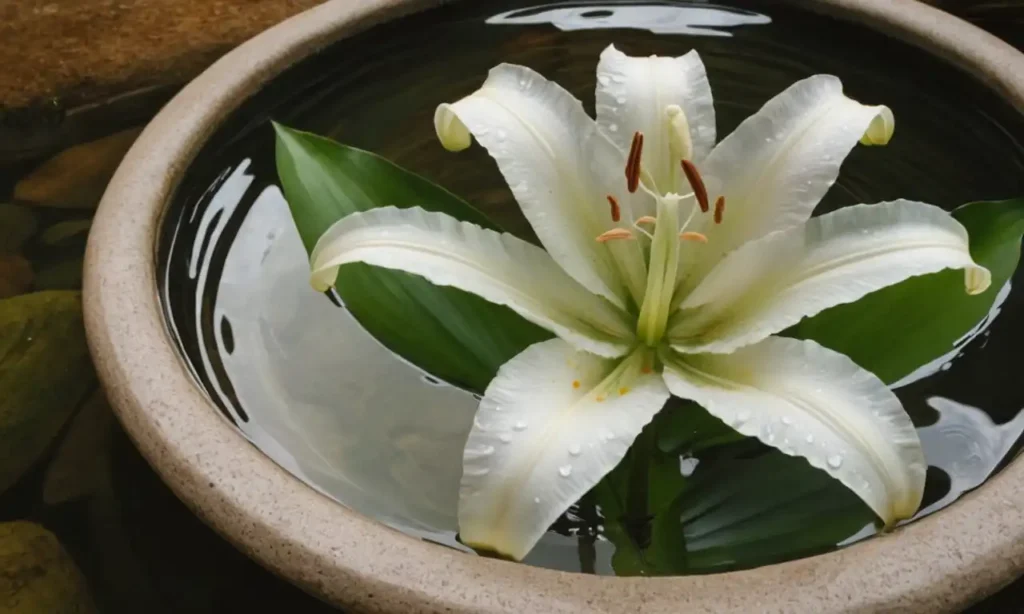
{"points": [[646, 370], [614, 234], [647, 219], [633, 162], [616, 212], [699, 191], [693, 236], [719, 209]]}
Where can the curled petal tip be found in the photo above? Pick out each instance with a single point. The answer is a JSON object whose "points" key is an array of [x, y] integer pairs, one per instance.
{"points": [[880, 129], [977, 279], [452, 133]]}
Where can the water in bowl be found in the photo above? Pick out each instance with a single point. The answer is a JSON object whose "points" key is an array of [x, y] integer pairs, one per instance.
{"points": [[300, 377]]}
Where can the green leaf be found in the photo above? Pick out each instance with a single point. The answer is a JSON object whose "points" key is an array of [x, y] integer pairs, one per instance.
{"points": [[736, 511], [684, 427], [451, 334], [743, 512], [894, 331]]}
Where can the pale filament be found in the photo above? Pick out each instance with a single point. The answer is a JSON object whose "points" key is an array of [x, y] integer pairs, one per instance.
{"points": [[637, 178]]}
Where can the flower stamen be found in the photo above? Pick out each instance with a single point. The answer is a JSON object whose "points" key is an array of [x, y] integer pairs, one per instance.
{"points": [[616, 211], [633, 162], [615, 234], [647, 219], [699, 191], [693, 236], [719, 209]]}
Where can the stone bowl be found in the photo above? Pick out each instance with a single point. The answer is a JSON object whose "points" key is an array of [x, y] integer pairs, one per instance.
{"points": [[938, 564]]}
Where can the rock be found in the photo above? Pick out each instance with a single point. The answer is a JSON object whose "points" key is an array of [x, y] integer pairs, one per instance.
{"points": [[37, 576], [63, 275], [76, 177], [80, 466], [45, 374], [17, 225], [15, 275], [62, 232]]}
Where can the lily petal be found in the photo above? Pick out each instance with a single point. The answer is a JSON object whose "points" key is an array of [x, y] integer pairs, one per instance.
{"points": [[498, 267], [635, 94], [552, 423], [809, 401], [778, 164], [772, 283], [560, 168]]}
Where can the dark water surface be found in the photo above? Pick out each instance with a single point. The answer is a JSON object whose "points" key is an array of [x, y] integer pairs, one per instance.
{"points": [[235, 299], [301, 378]]}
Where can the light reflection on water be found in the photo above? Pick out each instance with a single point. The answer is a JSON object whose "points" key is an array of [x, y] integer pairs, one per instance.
{"points": [[659, 18]]}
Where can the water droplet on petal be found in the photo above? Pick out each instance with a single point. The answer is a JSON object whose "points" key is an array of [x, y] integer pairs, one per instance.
{"points": [[618, 79], [835, 461], [536, 499], [810, 438], [613, 127], [565, 471], [519, 426], [502, 135], [505, 438], [574, 449], [787, 420], [621, 100], [477, 472], [603, 79]]}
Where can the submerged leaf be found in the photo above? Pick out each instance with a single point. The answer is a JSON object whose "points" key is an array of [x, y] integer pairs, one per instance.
{"points": [[896, 330], [451, 334], [736, 511]]}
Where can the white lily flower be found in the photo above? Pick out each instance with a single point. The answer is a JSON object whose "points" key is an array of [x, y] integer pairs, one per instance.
{"points": [[653, 290]]}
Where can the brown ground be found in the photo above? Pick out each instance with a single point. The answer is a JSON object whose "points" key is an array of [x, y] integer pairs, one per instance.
{"points": [[82, 51]]}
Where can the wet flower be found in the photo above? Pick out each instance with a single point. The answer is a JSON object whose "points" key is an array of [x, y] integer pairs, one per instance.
{"points": [[669, 265]]}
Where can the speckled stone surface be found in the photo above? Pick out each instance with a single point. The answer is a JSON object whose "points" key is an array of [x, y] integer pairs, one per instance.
{"points": [[938, 564]]}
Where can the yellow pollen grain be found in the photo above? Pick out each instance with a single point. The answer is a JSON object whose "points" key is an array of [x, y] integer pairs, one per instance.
{"points": [[576, 383], [623, 391], [600, 398], [646, 370]]}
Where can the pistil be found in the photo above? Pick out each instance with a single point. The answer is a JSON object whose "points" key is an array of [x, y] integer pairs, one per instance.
{"points": [[661, 272]]}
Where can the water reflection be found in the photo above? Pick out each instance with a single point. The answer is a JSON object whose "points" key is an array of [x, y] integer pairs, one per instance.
{"points": [[967, 445], [328, 402], [698, 19]]}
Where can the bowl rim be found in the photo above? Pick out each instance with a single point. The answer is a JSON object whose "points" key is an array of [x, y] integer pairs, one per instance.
{"points": [[356, 562]]}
